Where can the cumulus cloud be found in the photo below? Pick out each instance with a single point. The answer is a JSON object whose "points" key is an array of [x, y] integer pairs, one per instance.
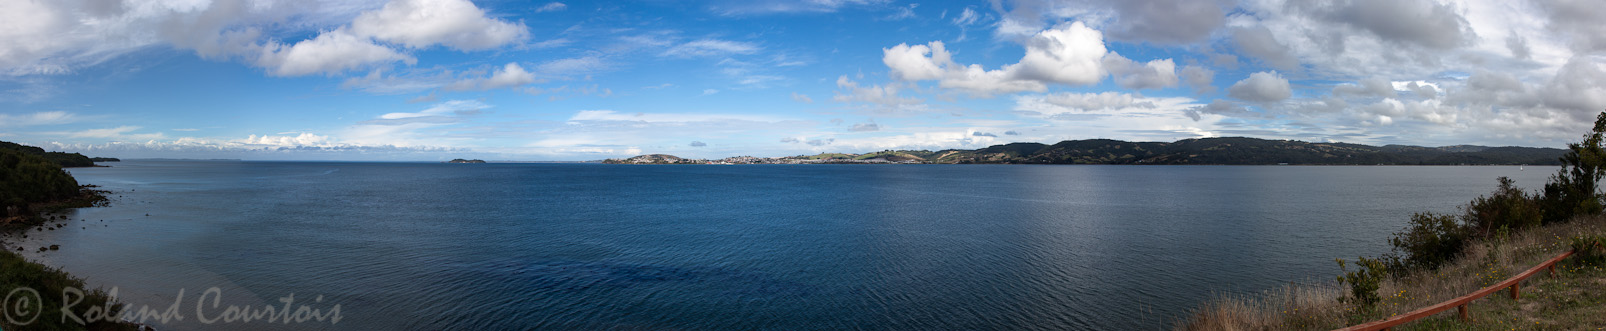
{"points": [[1092, 101], [1166, 21], [1012, 133], [55, 37], [1373, 87], [984, 134], [1218, 107], [1418, 22], [423, 23], [1259, 42], [865, 127], [1578, 19], [511, 75], [1070, 54], [1518, 45], [1200, 78], [1141, 76], [1261, 87], [330, 52], [698, 144]]}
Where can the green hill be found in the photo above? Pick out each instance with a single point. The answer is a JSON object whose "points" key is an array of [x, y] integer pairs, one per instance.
{"points": [[1244, 151], [69, 160]]}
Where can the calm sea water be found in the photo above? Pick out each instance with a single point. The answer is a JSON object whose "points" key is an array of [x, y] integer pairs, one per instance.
{"points": [[587, 246]]}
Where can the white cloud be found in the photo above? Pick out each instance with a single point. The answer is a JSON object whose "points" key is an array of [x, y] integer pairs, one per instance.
{"points": [[664, 118], [1259, 42], [511, 75], [573, 66], [710, 91], [449, 108], [1090, 101], [552, 6], [117, 133], [38, 118], [1200, 78], [1261, 87], [883, 97], [711, 47], [1372, 87], [1141, 76], [760, 7], [1166, 21], [864, 127], [55, 37], [331, 52], [1071, 54], [423, 23], [801, 98]]}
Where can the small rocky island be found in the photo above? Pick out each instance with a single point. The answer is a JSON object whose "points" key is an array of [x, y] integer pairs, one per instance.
{"points": [[465, 161]]}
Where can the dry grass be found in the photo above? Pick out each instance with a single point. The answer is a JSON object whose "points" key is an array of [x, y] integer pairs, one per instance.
{"points": [[1483, 263]]}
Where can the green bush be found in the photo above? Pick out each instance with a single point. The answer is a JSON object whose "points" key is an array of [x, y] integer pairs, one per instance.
{"points": [[1508, 207], [1574, 188], [28, 179], [1363, 282], [1429, 241], [1588, 251]]}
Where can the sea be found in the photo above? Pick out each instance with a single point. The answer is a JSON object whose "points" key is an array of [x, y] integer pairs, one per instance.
{"points": [[200, 245]]}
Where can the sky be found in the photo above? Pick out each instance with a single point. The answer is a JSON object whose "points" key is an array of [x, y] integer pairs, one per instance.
{"points": [[589, 80]]}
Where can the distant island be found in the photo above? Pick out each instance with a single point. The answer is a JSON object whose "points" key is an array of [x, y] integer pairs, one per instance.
{"points": [[1216, 151], [465, 161]]}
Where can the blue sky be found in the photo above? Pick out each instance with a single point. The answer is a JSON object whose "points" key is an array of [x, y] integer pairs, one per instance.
{"points": [[583, 80]]}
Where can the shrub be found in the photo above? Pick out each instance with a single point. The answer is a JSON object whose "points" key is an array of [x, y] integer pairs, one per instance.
{"points": [[1508, 207], [1573, 190], [1363, 282], [1587, 250], [1429, 241]]}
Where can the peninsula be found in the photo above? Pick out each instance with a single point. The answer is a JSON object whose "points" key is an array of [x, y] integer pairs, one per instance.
{"points": [[1223, 151]]}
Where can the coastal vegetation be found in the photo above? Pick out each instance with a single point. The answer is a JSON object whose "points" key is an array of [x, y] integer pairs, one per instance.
{"points": [[1437, 257], [28, 180], [63, 159], [1232, 151], [31, 182]]}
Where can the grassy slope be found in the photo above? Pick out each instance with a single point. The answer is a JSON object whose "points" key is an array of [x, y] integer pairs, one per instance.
{"points": [[1575, 299], [17, 272]]}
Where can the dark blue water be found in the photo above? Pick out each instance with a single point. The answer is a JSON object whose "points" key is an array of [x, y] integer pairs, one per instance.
{"points": [[587, 246]]}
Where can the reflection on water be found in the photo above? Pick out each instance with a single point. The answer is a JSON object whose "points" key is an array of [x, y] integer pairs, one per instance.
{"points": [[511, 246]]}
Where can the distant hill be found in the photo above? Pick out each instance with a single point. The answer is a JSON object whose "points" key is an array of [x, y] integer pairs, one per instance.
{"points": [[66, 160], [1229, 151], [1247, 151], [465, 161]]}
